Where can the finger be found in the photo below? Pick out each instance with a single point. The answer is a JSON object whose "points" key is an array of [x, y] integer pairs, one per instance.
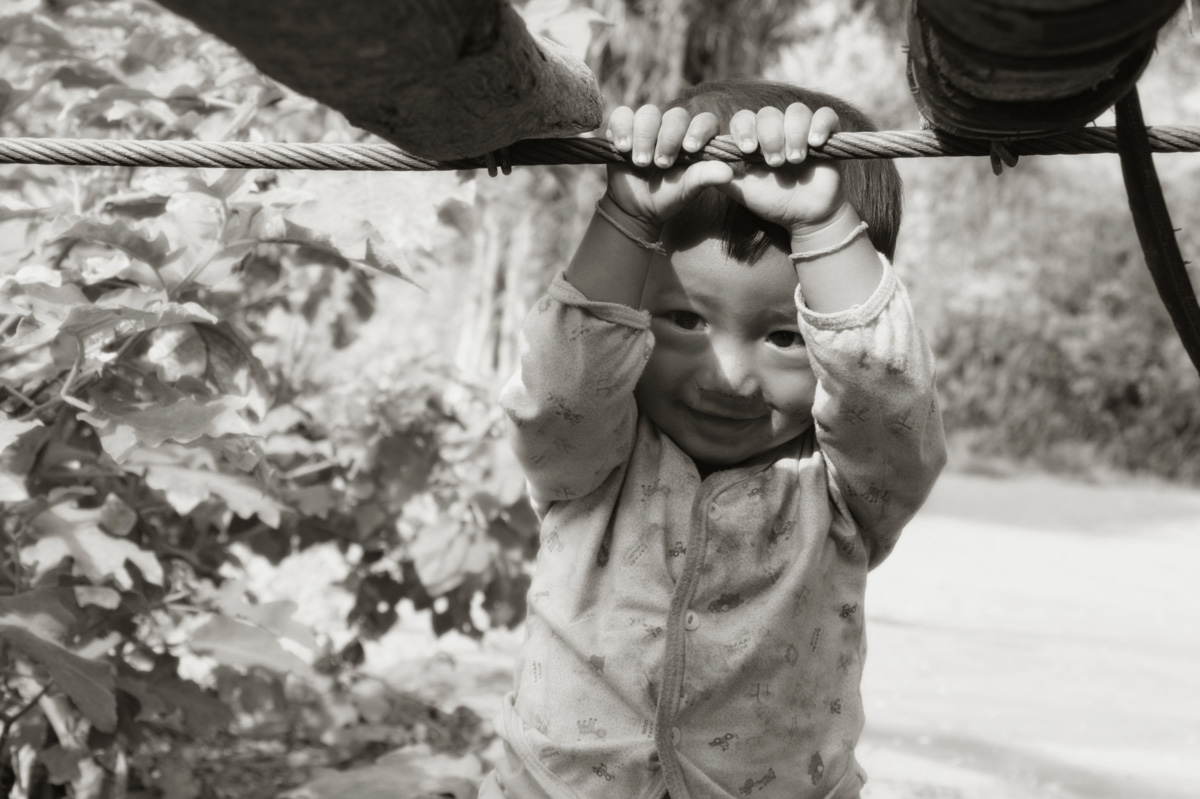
{"points": [[769, 124], [670, 136], [743, 129], [686, 184], [797, 121], [825, 123], [620, 128], [646, 123], [700, 176], [700, 131]]}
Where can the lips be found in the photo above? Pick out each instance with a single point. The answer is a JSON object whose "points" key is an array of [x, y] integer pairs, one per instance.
{"points": [[724, 417]]}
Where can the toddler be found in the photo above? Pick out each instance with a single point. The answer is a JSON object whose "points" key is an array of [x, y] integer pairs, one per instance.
{"points": [[726, 414]]}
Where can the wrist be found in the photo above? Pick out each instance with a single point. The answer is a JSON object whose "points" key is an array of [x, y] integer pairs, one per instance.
{"points": [[647, 228], [835, 228]]}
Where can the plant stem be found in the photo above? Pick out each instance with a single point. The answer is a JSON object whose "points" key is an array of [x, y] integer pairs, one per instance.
{"points": [[11, 720]]}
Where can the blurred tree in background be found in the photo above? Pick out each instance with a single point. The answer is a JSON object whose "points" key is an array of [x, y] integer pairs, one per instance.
{"points": [[209, 376]]}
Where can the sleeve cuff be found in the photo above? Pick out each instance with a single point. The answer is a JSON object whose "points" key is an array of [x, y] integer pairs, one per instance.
{"points": [[856, 315], [562, 291]]}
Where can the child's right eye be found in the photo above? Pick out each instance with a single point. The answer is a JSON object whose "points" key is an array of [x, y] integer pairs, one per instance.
{"points": [[684, 319]]}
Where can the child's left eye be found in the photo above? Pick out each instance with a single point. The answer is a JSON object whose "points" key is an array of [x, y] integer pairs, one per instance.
{"points": [[785, 338], [684, 319]]}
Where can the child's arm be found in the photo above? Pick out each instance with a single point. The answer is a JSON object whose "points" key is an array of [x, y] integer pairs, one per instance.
{"points": [[570, 406], [611, 264], [877, 422], [876, 415]]}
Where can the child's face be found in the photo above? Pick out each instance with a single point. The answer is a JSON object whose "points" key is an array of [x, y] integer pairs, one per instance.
{"points": [[729, 377]]}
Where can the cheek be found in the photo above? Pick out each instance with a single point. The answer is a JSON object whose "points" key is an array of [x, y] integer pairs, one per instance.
{"points": [[791, 390], [669, 368]]}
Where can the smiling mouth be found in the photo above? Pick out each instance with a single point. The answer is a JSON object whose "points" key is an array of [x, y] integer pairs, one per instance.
{"points": [[726, 421]]}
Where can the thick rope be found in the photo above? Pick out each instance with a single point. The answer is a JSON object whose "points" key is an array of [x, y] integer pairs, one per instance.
{"points": [[1155, 232], [533, 152]]}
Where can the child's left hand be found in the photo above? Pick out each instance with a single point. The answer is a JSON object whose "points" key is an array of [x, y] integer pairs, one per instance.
{"points": [[799, 194]]}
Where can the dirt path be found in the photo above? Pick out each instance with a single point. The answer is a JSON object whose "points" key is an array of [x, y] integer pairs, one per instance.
{"points": [[1029, 639], [1034, 638]]}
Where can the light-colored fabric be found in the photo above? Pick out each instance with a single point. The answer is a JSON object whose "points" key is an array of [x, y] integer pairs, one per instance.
{"points": [[705, 636]]}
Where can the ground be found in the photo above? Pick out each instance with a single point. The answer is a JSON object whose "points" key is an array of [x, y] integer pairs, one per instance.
{"points": [[1028, 639]]}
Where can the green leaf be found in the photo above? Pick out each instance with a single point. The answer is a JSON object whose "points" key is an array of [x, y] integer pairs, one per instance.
{"points": [[12, 429], [443, 558], [48, 304], [177, 779], [66, 531], [88, 683], [235, 643], [16, 209], [188, 477], [130, 311], [275, 617], [43, 611], [415, 772], [310, 224], [161, 695], [120, 236], [98, 595], [215, 354], [83, 74], [62, 764], [386, 258], [123, 428], [17, 451]]}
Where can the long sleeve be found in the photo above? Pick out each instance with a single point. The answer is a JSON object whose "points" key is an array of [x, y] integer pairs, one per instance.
{"points": [[875, 411], [570, 406]]}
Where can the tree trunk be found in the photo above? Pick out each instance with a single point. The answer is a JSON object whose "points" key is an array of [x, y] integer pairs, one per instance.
{"points": [[440, 78]]}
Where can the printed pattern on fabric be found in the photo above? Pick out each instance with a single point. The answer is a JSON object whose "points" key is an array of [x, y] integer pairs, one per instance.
{"points": [[705, 636]]}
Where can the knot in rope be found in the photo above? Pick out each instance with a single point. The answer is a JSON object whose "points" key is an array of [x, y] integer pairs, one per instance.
{"points": [[1015, 68]]}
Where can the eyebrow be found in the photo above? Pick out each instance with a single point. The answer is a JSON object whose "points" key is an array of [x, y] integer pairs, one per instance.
{"points": [[774, 316], [780, 316]]}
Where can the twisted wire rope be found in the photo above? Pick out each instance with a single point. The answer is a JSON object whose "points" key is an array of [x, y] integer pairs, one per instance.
{"points": [[542, 152]]}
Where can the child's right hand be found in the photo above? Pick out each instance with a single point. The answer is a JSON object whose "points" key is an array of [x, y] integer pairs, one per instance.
{"points": [[652, 196]]}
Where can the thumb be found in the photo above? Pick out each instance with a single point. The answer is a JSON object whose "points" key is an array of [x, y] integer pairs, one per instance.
{"points": [[699, 176], [734, 190]]}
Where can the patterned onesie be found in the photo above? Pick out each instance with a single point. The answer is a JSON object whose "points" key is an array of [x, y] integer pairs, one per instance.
{"points": [[705, 636]]}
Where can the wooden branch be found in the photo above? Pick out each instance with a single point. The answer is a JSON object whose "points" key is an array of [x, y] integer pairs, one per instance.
{"points": [[440, 78]]}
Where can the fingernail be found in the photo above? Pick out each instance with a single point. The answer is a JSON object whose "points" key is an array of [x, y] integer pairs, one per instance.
{"points": [[663, 161], [690, 144], [774, 159], [793, 154], [746, 144], [641, 159], [623, 142]]}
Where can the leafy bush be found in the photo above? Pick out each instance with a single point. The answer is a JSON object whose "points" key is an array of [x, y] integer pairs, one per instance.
{"points": [[169, 399], [1053, 346]]}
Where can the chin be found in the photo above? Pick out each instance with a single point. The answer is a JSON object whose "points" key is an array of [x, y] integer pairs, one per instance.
{"points": [[716, 456]]}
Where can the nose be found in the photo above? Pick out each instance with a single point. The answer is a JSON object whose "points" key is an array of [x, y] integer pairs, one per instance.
{"points": [[732, 372]]}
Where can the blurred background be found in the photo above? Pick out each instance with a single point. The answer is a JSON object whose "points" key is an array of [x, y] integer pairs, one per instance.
{"points": [[307, 572]]}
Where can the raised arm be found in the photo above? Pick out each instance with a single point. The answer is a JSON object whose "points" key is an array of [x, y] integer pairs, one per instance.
{"points": [[570, 406], [875, 409], [876, 415]]}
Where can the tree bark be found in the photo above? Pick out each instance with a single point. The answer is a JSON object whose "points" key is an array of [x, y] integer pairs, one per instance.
{"points": [[439, 78]]}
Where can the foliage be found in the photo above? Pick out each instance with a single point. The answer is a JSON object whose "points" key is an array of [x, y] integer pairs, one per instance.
{"points": [[166, 407], [1053, 346]]}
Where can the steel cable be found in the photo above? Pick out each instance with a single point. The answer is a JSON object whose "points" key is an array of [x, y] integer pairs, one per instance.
{"points": [[533, 152]]}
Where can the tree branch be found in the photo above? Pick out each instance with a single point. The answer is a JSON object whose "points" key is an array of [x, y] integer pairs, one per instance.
{"points": [[440, 78]]}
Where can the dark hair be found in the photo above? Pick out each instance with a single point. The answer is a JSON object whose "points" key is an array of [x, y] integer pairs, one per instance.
{"points": [[872, 186]]}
